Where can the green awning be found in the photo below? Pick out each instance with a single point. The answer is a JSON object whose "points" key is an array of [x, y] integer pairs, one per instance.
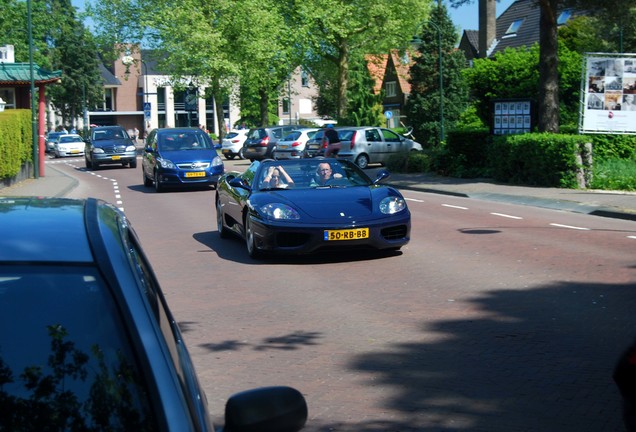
{"points": [[18, 74]]}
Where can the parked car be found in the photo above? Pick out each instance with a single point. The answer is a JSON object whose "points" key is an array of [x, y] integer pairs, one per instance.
{"points": [[108, 145], [261, 142], [180, 157], [324, 204], [51, 139], [232, 144], [313, 146], [87, 339], [365, 145], [69, 145], [293, 144]]}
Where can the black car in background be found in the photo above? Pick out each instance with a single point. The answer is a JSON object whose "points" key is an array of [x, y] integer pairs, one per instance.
{"points": [[109, 145], [261, 142], [87, 341]]}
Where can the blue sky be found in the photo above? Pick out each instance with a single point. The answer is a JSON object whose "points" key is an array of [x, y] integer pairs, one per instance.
{"points": [[465, 17]]}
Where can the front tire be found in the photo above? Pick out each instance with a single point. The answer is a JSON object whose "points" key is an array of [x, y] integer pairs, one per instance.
{"points": [[158, 187], [133, 163], [250, 241], [362, 161], [223, 233], [241, 155], [147, 181]]}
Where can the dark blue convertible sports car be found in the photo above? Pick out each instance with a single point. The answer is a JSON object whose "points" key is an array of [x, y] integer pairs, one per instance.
{"points": [[304, 205]]}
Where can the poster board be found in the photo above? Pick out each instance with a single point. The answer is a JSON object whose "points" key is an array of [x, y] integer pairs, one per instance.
{"points": [[512, 116], [608, 94]]}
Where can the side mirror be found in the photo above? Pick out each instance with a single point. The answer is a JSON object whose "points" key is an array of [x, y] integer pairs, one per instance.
{"points": [[382, 174], [273, 409], [238, 182]]}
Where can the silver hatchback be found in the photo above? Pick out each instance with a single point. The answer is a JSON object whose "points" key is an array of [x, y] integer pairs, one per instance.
{"points": [[365, 145]]}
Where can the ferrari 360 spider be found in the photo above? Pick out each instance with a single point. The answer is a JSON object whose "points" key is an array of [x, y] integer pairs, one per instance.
{"points": [[300, 206]]}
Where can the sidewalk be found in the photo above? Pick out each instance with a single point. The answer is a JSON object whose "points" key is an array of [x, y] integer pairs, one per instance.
{"points": [[615, 204]]}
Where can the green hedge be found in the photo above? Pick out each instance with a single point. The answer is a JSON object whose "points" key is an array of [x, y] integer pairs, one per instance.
{"points": [[537, 159], [15, 141]]}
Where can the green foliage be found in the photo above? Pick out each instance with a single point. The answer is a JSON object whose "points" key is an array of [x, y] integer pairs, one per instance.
{"points": [[365, 107], [537, 159], [614, 174], [16, 140], [409, 162], [423, 108], [514, 73], [613, 146], [467, 151]]}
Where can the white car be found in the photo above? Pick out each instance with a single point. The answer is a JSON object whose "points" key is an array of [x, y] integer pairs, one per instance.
{"points": [[232, 144], [69, 145], [293, 144]]}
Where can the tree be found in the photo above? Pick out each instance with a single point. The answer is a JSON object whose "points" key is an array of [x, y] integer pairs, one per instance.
{"points": [[365, 107], [338, 30], [74, 52], [423, 108]]}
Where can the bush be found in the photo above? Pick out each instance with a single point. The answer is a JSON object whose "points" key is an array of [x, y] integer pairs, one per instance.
{"points": [[614, 174], [409, 162], [15, 141]]}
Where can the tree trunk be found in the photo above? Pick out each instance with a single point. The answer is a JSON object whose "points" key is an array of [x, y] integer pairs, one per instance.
{"points": [[343, 80], [548, 68], [264, 102], [220, 116]]}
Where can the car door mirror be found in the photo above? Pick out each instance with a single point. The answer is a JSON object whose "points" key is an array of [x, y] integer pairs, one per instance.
{"points": [[266, 409], [381, 175], [238, 182]]}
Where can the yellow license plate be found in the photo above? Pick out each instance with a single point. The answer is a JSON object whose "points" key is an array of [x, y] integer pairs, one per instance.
{"points": [[347, 234], [283, 146], [195, 174], [225, 151], [74, 151], [116, 157]]}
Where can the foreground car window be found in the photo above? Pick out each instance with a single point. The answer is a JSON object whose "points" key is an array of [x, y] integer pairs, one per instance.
{"points": [[65, 358]]}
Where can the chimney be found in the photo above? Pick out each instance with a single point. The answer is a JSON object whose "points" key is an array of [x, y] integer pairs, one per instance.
{"points": [[7, 54], [487, 25]]}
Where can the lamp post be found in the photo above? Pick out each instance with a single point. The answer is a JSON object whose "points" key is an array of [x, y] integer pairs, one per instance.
{"points": [[417, 41], [34, 130]]}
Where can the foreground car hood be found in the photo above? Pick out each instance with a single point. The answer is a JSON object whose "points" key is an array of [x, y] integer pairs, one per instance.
{"points": [[332, 203]]}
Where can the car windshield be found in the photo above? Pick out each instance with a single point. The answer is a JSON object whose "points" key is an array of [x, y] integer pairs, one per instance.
{"points": [[109, 134], [179, 140], [292, 136], [69, 139], [64, 354], [309, 174]]}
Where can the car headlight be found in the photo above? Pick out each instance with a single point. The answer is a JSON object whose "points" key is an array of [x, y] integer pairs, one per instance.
{"points": [[217, 161], [98, 150], [165, 163], [392, 205], [131, 148], [279, 211]]}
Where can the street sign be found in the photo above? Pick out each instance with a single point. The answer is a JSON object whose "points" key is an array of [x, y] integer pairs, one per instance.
{"points": [[388, 114], [147, 110]]}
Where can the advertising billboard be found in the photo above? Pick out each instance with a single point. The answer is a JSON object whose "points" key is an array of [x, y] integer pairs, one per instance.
{"points": [[608, 94]]}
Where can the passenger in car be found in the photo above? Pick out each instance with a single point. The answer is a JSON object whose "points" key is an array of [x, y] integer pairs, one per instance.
{"points": [[273, 178]]}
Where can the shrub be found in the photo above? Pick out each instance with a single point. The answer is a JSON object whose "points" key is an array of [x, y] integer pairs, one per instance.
{"points": [[409, 162]]}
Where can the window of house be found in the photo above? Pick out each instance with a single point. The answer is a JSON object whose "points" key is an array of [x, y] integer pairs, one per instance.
{"points": [[109, 100], [514, 27], [564, 17], [390, 88], [286, 106], [8, 95], [304, 78]]}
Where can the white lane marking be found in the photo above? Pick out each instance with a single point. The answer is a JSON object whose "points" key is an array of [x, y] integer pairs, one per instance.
{"points": [[506, 216], [414, 200], [631, 237], [455, 207], [570, 227]]}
